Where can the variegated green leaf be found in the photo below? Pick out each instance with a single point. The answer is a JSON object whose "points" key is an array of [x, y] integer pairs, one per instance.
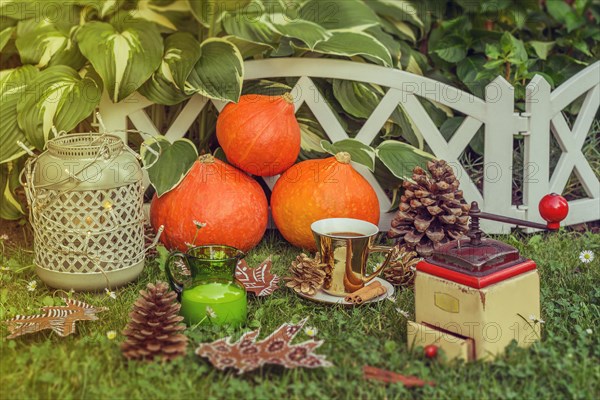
{"points": [[308, 32], [219, 71], [163, 13], [347, 43], [266, 87], [46, 45], [399, 10], [247, 48], [338, 14], [10, 208], [39, 10], [103, 7], [311, 135], [5, 36], [59, 97], [248, 28], [13, 85], [401, 158], [209, 11], [360, 152], [182, 51], [169, 162], [125, 52], [356, 98]]}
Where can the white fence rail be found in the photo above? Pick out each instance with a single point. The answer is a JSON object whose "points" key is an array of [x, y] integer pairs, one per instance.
{"points": [[496, 112]]}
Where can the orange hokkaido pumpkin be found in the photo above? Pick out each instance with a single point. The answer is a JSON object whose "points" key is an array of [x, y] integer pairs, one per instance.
{"points": [[260, 134], [231, 204], [316, 189]]}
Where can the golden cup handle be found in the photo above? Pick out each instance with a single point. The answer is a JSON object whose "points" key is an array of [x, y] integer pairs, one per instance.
{"points": [[392, 253]]}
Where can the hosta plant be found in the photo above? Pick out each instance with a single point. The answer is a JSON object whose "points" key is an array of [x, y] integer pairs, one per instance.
{"points": [[59, 58]]}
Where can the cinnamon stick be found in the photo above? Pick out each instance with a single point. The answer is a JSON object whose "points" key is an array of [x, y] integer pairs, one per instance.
{"points": [[353, 297], [370, 294]]}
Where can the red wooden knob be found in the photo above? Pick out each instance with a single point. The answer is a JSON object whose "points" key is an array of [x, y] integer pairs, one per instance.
{"points": [[431, 351], [553, 208]]}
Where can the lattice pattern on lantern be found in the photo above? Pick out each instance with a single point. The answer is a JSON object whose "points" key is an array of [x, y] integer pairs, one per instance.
{"points": [[89, 231]]}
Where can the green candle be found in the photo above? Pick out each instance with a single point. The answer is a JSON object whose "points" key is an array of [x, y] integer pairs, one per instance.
{"points": [[226, 300]]}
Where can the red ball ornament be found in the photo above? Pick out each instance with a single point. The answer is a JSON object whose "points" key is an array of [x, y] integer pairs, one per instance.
{"points": [[553, 208], [431, 351]]}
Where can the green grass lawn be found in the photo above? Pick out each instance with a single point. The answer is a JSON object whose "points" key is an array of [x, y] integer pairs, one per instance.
{"points": [[565, 364]]}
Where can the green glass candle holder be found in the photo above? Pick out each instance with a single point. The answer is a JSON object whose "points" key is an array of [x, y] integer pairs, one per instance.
{"points": [[211, 295]]}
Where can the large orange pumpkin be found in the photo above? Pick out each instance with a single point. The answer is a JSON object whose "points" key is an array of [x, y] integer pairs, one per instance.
{"points": [[231, 204], [260, 134], [316, 189]]}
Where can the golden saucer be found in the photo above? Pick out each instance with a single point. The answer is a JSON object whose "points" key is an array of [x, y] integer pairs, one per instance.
{"points": [[322, 297]]}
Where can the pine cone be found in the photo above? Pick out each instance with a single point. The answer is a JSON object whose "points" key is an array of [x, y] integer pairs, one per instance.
{"points": [[401, 271], [154, 325], [308, 274], [432, 210]]}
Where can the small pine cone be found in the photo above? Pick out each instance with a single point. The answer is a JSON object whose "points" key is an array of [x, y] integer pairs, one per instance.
{"points": [[432, 210], [401, 271], [154, 326], [308, 274]]}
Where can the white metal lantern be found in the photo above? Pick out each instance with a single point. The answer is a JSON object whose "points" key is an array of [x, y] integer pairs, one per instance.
{"points": [[85, 199]]}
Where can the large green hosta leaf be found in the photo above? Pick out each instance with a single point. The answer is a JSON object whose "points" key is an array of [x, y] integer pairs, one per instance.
{"points": [[59, 96], [173, 163], [219, 71], [38, 10], [398, 10], [46, 45], [5, 35], [308, 32], [251, 28], [165, 13], [10, 208], [356, 98], [125, 52], [348, 43], [338, 14], [166, 86], [13, 85], [209, 11], [248, 48], [103, 7], [401, 158]]}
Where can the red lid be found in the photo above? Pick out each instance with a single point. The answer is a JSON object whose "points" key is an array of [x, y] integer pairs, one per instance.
{"points": [[476, 281]]}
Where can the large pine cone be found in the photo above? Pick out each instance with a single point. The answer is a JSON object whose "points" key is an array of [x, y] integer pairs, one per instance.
{"points": [[308, 274], [401, 271], [432, 209], [154, 326]]}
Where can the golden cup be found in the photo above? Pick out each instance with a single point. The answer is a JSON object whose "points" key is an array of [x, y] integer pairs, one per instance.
{"points": [[345, 245]]}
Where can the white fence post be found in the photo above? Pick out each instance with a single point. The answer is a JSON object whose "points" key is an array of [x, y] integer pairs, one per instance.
{"points": [[500, 128], [536, 171]]}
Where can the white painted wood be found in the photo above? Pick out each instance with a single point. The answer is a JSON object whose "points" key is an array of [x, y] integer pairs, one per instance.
{"points": [[500, 128], [496, 112], [545, 113], [537, 146], [186, 117]]}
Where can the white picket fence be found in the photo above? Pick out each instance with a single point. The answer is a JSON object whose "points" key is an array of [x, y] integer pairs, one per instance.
{"points": [[496, 112]]}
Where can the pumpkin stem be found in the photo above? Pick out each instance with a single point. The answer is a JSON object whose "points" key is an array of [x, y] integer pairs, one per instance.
{"points": [[288, 97], [343, 157], [206, 159]]}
